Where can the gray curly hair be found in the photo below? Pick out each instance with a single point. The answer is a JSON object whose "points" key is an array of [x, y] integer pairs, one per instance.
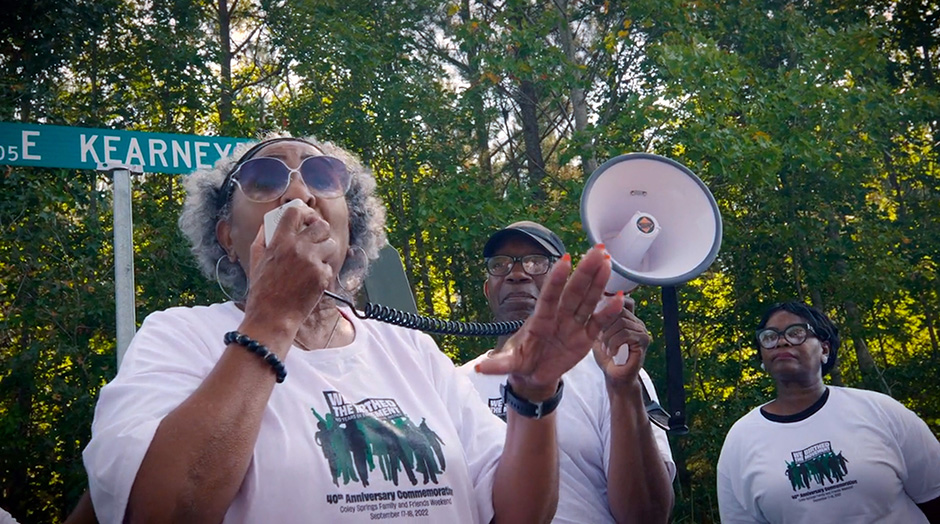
{"points": [[205, 205]]}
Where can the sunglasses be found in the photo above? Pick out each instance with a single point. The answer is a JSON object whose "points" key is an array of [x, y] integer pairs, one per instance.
{"points": [[656, 413], [265, 179], [796, 334], [533, 265]]}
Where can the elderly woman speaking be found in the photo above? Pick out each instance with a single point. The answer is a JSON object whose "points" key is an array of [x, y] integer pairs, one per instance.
{"points": [[281, 406]]}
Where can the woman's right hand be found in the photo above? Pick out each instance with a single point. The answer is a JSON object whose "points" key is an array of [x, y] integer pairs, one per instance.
{"points": [[288, 277]]}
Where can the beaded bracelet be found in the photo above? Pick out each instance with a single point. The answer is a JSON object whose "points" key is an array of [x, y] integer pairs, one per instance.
{"points": [[234, 337]]}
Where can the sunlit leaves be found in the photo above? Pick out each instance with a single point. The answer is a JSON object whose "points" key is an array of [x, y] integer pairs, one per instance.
{"points": [[813, 124]]}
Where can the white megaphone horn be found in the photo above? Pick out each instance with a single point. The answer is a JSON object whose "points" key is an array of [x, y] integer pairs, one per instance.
{"points": [[661, 226], [659, 222]]}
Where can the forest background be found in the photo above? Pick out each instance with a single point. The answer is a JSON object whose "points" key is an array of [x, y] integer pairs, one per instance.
{"points": [[814, 123]]}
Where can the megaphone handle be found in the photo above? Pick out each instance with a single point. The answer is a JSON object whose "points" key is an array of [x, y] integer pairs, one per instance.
{"points": [[675, 390], [623, 354]]}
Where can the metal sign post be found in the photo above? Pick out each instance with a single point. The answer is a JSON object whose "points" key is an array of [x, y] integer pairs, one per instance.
{"points": [[124, 295]]}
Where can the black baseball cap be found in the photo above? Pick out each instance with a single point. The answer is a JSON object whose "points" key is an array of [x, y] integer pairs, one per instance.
{"points": [[538, 233]]}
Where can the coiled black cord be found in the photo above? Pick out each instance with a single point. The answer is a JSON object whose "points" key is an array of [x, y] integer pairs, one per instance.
{"points": [[428, 324]]}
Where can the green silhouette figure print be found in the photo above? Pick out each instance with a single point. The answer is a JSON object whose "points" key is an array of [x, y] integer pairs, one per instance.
{"points": [[336, 449], [355, 438], [824, 467], [421, 449]]}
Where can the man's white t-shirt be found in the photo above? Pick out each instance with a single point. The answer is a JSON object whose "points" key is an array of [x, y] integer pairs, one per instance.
{"points": [[861, 458], [383, 429], [583, 425], [6, 518]]}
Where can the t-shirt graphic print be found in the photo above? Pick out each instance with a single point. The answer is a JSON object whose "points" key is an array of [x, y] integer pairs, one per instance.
{"points": [[817, 473], [357, 438]]}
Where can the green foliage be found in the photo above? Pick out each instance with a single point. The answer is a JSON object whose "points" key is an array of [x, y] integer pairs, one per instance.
{"points": [[55, 353], [794, 120], [813, 124], [57, 319]]}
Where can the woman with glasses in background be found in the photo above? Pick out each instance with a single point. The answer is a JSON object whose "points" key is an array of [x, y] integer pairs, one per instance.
{"points": [[819, 453], [281, 405]]}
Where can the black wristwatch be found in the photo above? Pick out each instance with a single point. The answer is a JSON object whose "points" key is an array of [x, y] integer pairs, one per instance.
{"points": [[528, 408]]}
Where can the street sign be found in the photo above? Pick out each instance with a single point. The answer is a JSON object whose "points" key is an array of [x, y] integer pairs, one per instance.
{"points": [[119, 152], [40, 145]]}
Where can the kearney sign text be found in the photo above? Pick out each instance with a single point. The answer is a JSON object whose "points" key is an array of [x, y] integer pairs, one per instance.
{"points": [[84, 148]]}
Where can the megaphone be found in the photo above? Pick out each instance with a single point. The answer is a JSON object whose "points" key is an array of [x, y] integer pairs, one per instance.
{"points": [[661, 226], [659, 222]]}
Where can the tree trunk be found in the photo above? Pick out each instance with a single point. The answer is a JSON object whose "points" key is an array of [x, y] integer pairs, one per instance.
{"points": [[17, 491], [578, 96], [93, 77], [225, 65], [398, 208], [527, 98], [931, 327], [420, 262], [817, 299], [871, 375], [424, 278], [475, 94]]}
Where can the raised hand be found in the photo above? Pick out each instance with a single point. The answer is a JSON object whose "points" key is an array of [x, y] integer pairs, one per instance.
{"points": [[562, 328], [292, 272], [625, 333]]}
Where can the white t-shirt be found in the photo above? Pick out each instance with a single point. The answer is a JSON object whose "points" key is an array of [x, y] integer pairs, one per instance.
{"points": [[381, 429], [6, 518], [583, 422], [861, 458]]}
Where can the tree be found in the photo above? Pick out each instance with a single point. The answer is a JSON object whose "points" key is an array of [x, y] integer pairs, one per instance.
{"points": [[764, 103], [813, 124]]}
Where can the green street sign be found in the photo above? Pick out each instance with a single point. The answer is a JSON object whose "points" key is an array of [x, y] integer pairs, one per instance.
{"points": [[40, 145]]}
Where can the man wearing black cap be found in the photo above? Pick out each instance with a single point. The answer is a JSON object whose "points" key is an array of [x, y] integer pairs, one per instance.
{"points": [[614, 466]]}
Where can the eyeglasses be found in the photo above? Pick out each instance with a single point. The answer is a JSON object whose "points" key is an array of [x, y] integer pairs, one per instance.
{"points": [[265, 179], [656, 413], [533, 265], [796, 334]]}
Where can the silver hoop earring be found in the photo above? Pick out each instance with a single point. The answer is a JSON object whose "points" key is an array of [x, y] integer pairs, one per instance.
{"points": [[825, 359], [352, 274], [763, 367], [219, 282]]}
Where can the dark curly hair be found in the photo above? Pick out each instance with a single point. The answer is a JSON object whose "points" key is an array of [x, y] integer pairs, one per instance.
{"points": [[823, 327]]}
